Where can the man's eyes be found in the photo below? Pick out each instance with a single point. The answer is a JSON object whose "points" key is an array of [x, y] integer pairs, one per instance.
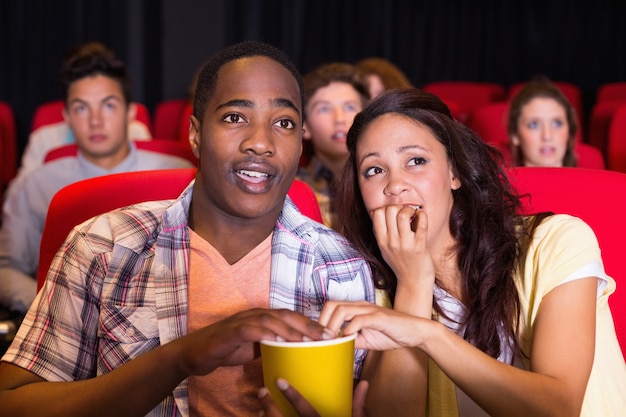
{"points": [[233, 118], [285, 124]]}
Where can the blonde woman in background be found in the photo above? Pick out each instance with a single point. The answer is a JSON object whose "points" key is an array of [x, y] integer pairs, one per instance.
{"points": [[382, 75]]}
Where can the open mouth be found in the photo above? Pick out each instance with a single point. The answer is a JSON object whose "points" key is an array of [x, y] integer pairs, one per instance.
{"points": [[255, 177], [339, 136]]}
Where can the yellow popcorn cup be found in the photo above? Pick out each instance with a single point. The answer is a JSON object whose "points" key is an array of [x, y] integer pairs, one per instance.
{"points": [[322, 371]]}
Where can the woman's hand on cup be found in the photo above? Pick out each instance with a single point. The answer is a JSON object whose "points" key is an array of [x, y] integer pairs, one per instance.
{"points": [[378, 328]]}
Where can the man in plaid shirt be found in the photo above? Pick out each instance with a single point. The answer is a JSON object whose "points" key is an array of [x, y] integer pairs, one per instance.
{"points": [[154, 309]]}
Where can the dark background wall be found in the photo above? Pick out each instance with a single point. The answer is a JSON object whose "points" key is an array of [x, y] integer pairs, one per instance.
{"points": [[165, 41]]}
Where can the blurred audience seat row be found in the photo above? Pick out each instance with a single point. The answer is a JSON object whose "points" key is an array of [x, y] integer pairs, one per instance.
{"points": [[467, 96], [483, 107], [478, 104]]}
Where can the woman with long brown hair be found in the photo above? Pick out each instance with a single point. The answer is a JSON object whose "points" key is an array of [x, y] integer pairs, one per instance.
{"points": [[493, 313]]}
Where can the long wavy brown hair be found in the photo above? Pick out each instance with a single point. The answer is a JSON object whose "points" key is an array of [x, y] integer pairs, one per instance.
{"points": [[484, 220]]}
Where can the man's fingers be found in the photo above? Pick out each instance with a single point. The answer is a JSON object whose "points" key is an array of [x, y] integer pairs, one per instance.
{"points": [[298, 402], [283, 323], [270, 409], [358, 399], [301, 405]]}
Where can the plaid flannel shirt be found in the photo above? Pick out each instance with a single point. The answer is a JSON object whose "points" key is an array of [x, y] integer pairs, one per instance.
{"points": [[118, 288]]}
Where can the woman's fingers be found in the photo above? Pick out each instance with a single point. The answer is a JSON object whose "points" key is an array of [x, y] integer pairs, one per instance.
{"points": [[379, 328], [420, 226], [335, 313], [397, 227]]}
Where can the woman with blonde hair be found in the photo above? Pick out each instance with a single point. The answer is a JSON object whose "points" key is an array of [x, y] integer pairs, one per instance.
{"points": [[382, 75]]}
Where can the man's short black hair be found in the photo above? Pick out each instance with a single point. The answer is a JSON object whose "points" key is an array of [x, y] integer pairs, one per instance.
{"points": [[207, 78], [91, 59]]}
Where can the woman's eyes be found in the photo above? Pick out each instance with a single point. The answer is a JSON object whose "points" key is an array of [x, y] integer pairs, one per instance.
{"points": [[558, 123], [415, 161], [370, 172], [554, 123], [418, 160]]}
